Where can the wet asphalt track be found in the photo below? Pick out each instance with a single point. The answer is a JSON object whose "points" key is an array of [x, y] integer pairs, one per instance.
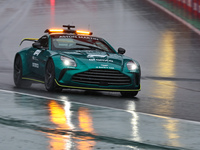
{"points": [[167, 50]]}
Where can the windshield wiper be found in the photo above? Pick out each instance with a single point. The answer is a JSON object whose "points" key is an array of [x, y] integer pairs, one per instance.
{"points": [[92, 47]]}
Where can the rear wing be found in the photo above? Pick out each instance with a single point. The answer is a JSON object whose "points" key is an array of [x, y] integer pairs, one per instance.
{"points": [[28, 39]]}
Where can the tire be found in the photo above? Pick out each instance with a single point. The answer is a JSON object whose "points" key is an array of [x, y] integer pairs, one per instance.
{"points": [[50, 83], [17, 74], [129, 94]]}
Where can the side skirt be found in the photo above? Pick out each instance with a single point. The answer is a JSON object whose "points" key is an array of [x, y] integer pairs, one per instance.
{"points": [[34, 80]]}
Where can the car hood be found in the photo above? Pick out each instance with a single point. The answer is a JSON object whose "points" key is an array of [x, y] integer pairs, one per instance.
{"points": [[101, 60]]}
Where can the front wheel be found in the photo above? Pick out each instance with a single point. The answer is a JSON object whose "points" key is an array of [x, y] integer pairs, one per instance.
{"points": [[50, 83], [129, 94]]}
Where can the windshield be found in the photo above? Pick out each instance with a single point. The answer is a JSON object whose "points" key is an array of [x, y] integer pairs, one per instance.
{"points": [[78, 42]]}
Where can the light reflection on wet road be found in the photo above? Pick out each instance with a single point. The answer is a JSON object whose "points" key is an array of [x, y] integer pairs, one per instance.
{"points": [[167, 51], [61, 115], [57, 124]]}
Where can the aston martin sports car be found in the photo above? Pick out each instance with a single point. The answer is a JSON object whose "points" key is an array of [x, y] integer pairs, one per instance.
{"points": [[69, 58]]}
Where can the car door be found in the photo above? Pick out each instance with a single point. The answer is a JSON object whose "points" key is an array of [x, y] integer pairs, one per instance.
{"points": [[40, 57]]}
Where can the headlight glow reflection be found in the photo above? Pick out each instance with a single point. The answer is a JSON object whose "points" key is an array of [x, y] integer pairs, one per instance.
{"points": [[131, 65], [68, 61]]}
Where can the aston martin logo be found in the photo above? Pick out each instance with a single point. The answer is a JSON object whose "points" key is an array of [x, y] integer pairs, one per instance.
{"points": [[99, 56]]}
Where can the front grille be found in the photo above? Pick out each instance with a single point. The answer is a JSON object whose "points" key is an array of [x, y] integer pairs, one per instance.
{"points": [[102, 77]]}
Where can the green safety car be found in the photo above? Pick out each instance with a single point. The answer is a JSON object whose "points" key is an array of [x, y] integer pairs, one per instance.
{"points": [[69, 58]]}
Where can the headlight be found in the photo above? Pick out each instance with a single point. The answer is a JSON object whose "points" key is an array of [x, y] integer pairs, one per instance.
{"points": [[131, 65], [68, 61]]}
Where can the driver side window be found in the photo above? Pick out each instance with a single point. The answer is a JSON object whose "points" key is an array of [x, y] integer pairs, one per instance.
{"points": [[44, 41]]}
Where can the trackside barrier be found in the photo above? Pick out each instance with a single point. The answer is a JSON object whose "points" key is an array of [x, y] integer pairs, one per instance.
{"points": [[191, 7], [188, 10]]}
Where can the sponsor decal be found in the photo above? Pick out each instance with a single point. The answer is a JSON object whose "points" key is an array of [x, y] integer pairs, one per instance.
{"points": [[92, 59], [37, 52], [35, 65], [79, 37], [104, 67], [34, 58], [104, 60]]}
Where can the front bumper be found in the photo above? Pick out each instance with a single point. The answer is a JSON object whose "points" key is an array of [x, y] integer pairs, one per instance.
{"points": [[67, 81], [96, 89]]}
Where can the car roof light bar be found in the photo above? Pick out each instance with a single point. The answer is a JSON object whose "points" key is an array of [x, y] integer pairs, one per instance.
{"points": [[68, 30], [83, 32], [56, 30]]}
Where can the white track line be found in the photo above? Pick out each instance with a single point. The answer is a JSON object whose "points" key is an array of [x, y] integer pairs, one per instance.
{"points": [[91, 105]]}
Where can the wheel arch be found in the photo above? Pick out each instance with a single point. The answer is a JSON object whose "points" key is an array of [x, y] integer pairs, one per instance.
{"points": [[25, 64], [57, 64], [51, 84]]}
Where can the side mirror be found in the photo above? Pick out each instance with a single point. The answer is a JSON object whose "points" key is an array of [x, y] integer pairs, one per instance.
{"points": [[121, 51], [37, 45]]}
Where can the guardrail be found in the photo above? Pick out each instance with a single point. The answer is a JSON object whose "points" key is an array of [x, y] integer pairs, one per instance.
{"points": [[188, 10]]}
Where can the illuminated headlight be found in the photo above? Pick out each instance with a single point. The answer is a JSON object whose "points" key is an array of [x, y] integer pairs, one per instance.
{"points": [[131, 65], [68, 61]]}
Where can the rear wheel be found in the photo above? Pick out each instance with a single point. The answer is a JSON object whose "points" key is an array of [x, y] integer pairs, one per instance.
{"points": [[129, 94], [17, 74], [50, 83]]}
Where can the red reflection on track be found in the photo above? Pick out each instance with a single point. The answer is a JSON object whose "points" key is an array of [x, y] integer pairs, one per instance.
{"points": [[52, 2], [52, 12]]}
